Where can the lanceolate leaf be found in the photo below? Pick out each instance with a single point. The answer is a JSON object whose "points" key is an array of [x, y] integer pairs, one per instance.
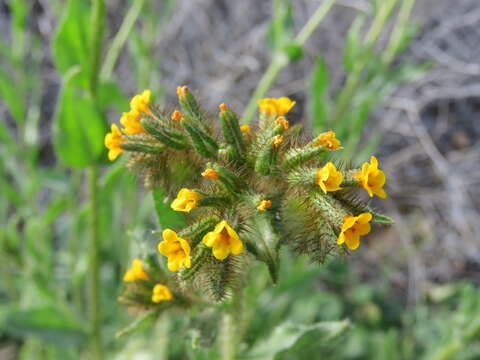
{"points": [[79, 128], [70, 45], [319, 101], [47, 324]]}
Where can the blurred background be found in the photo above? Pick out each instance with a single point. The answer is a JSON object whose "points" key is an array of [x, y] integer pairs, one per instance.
{"points": [[398, 78]]}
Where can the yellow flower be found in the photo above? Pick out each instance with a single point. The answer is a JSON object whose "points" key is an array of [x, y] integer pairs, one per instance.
{"points": [[181, 90], [161, 293], [329, 140], [264, 204], [210, 174], [245, 129], [112, 142], [176, 249], [222, 107], [140, 102], [136, 272], [272, 106], [131, 121], [352, 228], [277, 141], [372, 178], [329, 178], [224, 240], [186, 200], [283, 122], [176, 116]]}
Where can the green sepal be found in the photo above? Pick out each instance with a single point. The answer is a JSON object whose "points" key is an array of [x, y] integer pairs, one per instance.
{"points": [[191, 109], [303, 176], [265, 244], [169, 137], [197, 260], [331, 209], [300, 156], [198, 230], [233, 135], [143, 147], [203, 143], [382, 219], [266, 158], [214, 201]]}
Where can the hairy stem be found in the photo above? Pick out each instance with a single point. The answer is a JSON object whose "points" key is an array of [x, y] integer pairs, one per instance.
{"points": [[97, 27], [94, 249]]}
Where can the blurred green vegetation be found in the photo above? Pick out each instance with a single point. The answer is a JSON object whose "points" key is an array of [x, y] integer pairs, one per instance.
{"points": [[47, 209]]}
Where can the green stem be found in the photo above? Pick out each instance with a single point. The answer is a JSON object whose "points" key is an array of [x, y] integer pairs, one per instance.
{"points": [[227, 336], [346, 95], [280, 60], [94, 258], [317, 17], [97, 27], [398, 32], [120, 39], [98, 18]]}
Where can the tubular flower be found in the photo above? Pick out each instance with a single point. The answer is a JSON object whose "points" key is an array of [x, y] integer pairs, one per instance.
{"points": [[277, 141], [140, 102], [131, 121], [329, 140], [136, 272], [283, 122], [272, 106], [329, 178], [176, 249], [181, 90], [264, 205], [112, 142], [176, 116], [352, 228], [186, 200], [161, 293], [222, 107], [372, 178], [210, 174], [245, 129], [224, 240]]}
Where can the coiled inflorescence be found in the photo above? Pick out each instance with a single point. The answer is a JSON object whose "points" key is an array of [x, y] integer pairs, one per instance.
{"points": [[247, 191]]}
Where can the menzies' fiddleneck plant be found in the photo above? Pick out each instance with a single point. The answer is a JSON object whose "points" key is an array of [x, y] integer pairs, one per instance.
{"points": [[247, 191]]}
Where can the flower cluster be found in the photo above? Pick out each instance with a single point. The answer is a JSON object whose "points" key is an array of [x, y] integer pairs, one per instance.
{"points": [[247, 191], [131, 121]]}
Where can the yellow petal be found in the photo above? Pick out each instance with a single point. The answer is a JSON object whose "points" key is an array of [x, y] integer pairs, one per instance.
{"points": [[210, 239], [221, 252], [365, 218], [236, 246], [169, 235], [129, 276], [353, 242]]}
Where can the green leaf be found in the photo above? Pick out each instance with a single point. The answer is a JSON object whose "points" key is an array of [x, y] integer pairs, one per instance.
{"points": [[45, 323], [318, 92], [167, 218], [12, 97], [293, 51], [293, 337], [71, 41], [382, 219], [279, 33], [138, 324], [79, 128], [353, 44], [110, 95]]}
